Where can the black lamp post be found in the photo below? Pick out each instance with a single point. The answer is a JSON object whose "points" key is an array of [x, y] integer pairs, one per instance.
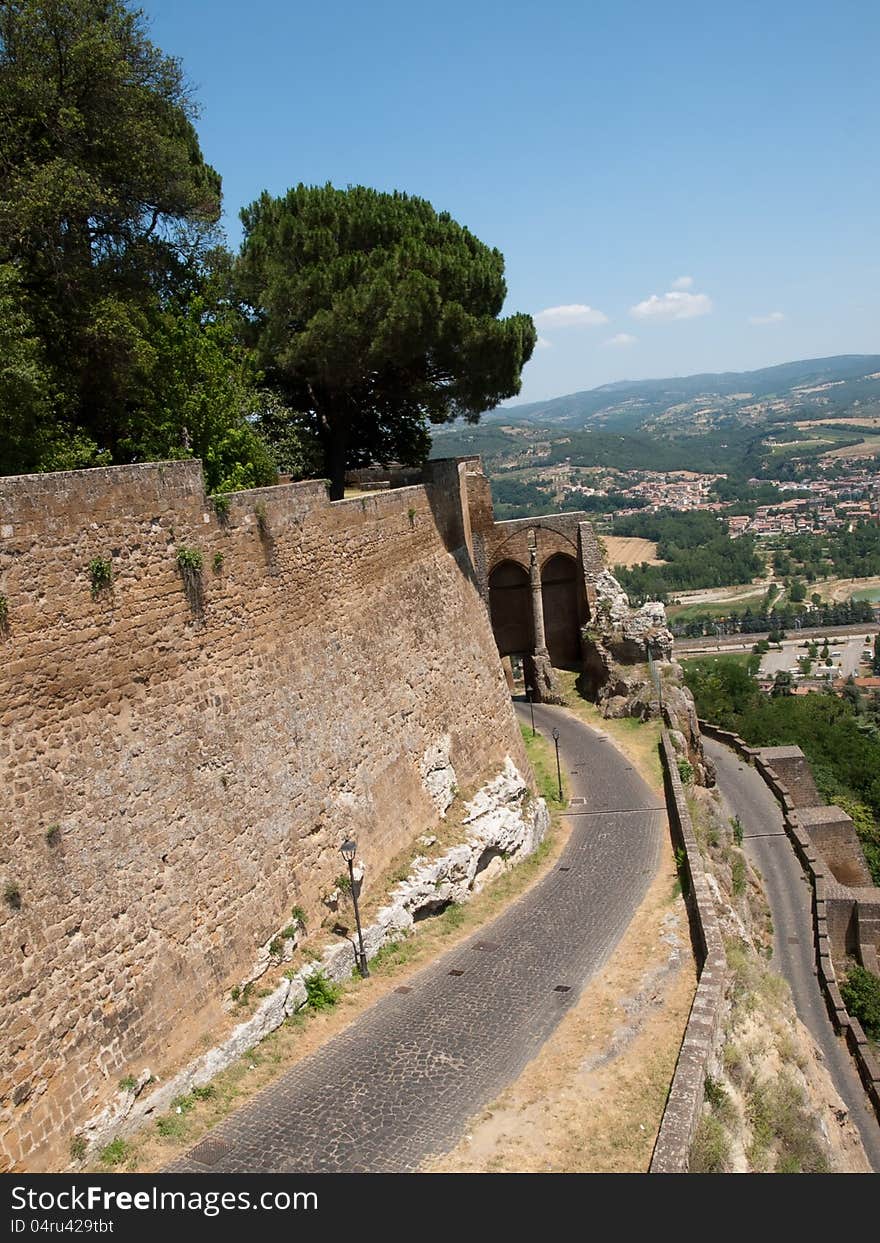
{"points": [[348, 850], [558, 769], [530, 693]]}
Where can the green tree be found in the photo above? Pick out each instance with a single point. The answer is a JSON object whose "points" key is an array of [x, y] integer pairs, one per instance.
{"points": [[861, 994], [376, 316], [205, 399], [24, 383], [782, 683], [106, 208]]}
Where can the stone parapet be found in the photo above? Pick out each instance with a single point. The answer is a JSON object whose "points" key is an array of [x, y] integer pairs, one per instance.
{"points": [[682, 1113], [835, 906]]}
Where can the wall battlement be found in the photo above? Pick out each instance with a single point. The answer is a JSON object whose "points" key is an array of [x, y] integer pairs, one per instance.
{"points": [[179, 760]]}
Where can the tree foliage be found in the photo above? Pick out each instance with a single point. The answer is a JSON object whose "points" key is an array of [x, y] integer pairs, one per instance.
{"points": [[697, 549], [839, 736], [861, 993], [112, 348], [375, 316]]}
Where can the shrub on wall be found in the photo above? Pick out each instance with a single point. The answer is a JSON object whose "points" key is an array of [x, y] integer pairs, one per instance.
{"points": [[190, 562], [100, 575], [861, 992], [221, 507]]}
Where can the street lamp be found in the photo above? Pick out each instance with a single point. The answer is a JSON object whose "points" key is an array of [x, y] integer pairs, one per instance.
{"points": [[558, 769], [530, 695], [348, 850]]}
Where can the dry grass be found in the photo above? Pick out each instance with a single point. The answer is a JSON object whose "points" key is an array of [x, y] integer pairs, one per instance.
{"points": [[868, 448], [864, 421], [593, 1098], [630, 550], [638, 741]]}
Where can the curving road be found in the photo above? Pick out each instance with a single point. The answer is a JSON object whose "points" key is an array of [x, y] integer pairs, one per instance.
{"points": [[788, 892], [401, 1082]]}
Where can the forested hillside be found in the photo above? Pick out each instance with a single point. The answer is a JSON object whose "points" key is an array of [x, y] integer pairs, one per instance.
{"points": [[698, 551]]}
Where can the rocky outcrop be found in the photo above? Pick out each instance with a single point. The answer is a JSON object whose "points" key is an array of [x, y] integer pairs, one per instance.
{"points": [[621, 644], [617, 642], [438, 775], [680, 717]]}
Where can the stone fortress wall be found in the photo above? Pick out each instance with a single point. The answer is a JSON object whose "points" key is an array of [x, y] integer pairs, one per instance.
{"points": [[182, 752]]}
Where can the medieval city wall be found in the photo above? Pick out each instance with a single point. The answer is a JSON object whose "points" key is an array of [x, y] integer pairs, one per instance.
{"points": [[182, 752]]}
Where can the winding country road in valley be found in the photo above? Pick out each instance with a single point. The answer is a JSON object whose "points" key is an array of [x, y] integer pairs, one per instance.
{"points": [[401, 1082], [746, 795]]}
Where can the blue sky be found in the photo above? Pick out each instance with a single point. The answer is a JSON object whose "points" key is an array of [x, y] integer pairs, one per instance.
{"points": [[683, 187]]}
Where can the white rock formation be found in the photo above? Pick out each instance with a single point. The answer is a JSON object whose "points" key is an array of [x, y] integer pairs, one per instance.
{"points": [[635, 625], [438, 775]]}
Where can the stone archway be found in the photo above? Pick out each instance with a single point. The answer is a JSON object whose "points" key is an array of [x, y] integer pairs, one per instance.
{"points": [[510, 608], [561, 617]]}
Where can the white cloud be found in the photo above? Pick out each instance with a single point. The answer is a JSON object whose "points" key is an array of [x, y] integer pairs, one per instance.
{"points": [[677, 304], [775, 317], [575, 313], [622, 338], [683, 282], [543, 344]]}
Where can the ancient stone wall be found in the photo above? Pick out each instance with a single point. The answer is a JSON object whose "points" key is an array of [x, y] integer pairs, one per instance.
{"points": [[793, 770], [671, 1153], [838, 930], [183, 750], [834, 834], [554, 533]]}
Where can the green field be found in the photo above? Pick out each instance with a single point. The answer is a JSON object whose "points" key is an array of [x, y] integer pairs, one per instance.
{"points": [[718, 608], [717, 658]]}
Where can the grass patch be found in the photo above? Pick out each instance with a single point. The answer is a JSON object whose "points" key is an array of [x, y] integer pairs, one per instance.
{"points": [[640, 740], [746, 660], [542, 757], [783, 1130], [114, 1153], [715, 608], [322, 993], [710, 1151]]}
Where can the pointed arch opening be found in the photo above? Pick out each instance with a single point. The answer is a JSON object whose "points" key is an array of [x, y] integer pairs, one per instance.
{"points": [[510, 608], [561, 617]]}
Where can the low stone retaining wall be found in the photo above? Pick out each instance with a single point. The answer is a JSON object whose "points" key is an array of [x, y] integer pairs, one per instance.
{"points": [[823, 886], [684, 1104]]}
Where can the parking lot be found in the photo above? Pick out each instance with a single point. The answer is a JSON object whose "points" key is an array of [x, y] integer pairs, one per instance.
{"points": [[846, 653]]}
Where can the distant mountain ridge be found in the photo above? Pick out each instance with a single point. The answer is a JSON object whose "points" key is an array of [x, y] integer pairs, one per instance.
{"points": [[628, 404]]}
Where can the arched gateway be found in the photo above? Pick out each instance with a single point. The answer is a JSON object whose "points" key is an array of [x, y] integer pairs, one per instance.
{"points": [[561, 617], [510, 608]]}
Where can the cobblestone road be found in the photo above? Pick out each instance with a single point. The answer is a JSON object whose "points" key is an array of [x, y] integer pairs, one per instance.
{"points": [[401, 1082]]}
